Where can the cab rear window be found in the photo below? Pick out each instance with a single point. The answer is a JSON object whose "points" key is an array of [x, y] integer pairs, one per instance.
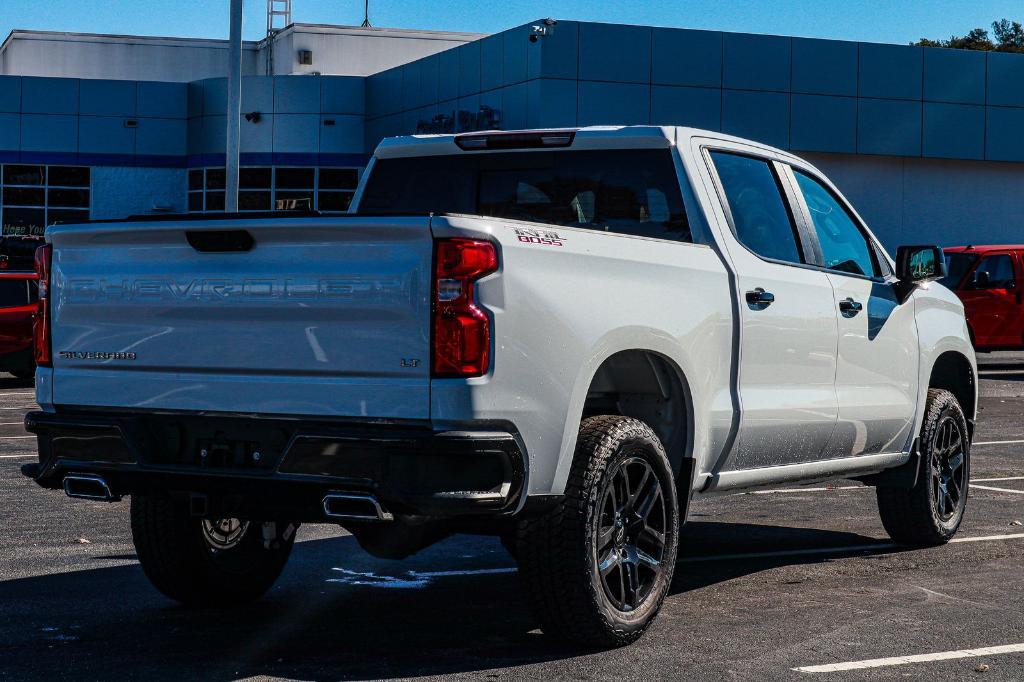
{"points": [[627, 191]]}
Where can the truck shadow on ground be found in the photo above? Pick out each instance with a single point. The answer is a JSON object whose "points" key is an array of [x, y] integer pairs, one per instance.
{"points": [[10, 381], [336, 613]]}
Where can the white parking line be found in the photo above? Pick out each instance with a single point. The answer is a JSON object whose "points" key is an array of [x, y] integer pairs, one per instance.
{"points": [[1003, 478], [11, 423], [25, 456], [999, 490], [25, 407], [848, 549], [997, 442], [31, 393], [919, 658], [14, 437], [987, 538]]}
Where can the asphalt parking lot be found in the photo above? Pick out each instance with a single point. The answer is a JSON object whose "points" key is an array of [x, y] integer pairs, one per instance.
{"points": [[795, 583]]}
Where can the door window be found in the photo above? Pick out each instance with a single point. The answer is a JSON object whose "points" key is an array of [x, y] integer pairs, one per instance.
{"points": [[844, 246], [995, 272], [957, 265], [760, 218]]}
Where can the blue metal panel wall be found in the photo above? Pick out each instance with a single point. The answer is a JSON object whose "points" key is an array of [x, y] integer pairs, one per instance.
{"points": [[799, 93], [824, 67], [682, 57]]}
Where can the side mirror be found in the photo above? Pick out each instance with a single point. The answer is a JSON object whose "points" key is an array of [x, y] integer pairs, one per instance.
{"points": [[982, 279], [917, 265]]}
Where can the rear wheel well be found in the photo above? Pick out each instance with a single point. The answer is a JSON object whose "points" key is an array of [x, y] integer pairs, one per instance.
{"points": [[649, 387], [952, 372]]}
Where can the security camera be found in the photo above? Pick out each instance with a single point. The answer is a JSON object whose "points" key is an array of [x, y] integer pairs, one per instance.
{"points": [[541, 30]]}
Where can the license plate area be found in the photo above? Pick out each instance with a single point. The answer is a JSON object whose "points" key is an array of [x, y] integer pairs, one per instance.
{"points": [[213, 443], [211, 453]]}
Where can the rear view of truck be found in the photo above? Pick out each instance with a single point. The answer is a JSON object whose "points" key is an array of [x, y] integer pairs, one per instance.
{"points": [[237, 377], [452, 357]]}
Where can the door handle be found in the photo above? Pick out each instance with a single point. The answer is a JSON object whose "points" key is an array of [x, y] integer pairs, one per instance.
{"points": [[760, 299], [849, 307]]}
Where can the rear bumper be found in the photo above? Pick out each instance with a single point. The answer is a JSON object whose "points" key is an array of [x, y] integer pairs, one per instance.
{"points": [[284, 467]]}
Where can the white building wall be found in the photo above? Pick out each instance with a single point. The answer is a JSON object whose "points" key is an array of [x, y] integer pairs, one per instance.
{"points": [[71, 55], [344, 51], [931, 201], [337, 51]]}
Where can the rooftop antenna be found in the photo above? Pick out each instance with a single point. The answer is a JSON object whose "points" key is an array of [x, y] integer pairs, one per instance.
{"points": [[366, 14], [278, 9]]}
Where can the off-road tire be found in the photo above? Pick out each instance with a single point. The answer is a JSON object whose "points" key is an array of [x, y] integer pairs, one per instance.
{"points": [[178, 560], [912, 516], [557, 552]]}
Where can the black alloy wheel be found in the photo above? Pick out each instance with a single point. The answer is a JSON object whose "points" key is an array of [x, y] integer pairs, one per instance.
{"points": [[930, 512], [597, 566], [948, 473], [631, 534]]}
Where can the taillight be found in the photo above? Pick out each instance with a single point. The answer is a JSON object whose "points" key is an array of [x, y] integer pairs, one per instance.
{"points": [[41, 321], [462, 331]]}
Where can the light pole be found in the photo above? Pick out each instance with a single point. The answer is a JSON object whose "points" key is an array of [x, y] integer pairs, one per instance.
{"points": [[234, 108]]}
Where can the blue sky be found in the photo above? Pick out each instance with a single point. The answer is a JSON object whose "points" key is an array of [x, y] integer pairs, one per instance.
{"points": [[895, 21]]}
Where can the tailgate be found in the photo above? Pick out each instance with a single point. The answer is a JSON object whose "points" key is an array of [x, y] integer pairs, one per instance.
{"points": [[321, 316]]}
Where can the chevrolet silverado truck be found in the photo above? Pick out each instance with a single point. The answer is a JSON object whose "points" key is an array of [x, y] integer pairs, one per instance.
{"points": [[558, 337]]}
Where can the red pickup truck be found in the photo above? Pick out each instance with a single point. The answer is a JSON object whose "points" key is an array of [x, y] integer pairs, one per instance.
{"points": [[990, 282], [19, 292]]}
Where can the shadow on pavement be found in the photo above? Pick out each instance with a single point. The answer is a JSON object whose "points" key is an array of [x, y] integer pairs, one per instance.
{"points": [[8, 381], [335, 613]]}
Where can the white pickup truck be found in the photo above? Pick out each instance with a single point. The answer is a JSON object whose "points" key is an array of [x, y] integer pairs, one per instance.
{"points": [[558, 337]]}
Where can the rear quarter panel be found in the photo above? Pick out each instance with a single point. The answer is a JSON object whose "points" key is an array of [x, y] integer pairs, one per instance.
{"points": [[560, 311]]}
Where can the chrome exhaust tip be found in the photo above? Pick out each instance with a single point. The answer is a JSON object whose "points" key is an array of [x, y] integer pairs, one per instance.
{"points": [[354, 507], [89, 487]]}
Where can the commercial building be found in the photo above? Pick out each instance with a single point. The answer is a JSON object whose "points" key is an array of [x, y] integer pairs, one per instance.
{"points": [[926, 142]]}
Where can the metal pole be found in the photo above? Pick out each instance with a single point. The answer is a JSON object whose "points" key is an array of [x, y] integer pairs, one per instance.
{"points": [[234, 111]]}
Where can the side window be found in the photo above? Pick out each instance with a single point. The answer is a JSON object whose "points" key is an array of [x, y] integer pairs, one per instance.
{"points": [[761, 220], [995, 272], [843, 244]]}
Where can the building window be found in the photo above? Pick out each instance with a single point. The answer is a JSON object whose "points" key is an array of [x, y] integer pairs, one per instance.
{"points": [[284, 188], [36, 196]]}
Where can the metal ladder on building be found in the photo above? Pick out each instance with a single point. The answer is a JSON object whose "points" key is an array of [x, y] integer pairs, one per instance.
{"points": [[278, 10]]}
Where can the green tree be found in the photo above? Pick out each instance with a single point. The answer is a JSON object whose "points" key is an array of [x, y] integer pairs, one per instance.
{"points": [[976, 39], [1009, 37]]}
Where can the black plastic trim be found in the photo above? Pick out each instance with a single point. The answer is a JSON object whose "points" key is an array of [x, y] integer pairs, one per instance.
{"points": [[410, 468]]}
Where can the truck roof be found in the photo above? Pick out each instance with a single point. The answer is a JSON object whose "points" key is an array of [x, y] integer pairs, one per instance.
{"points": [[588, 137]]}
